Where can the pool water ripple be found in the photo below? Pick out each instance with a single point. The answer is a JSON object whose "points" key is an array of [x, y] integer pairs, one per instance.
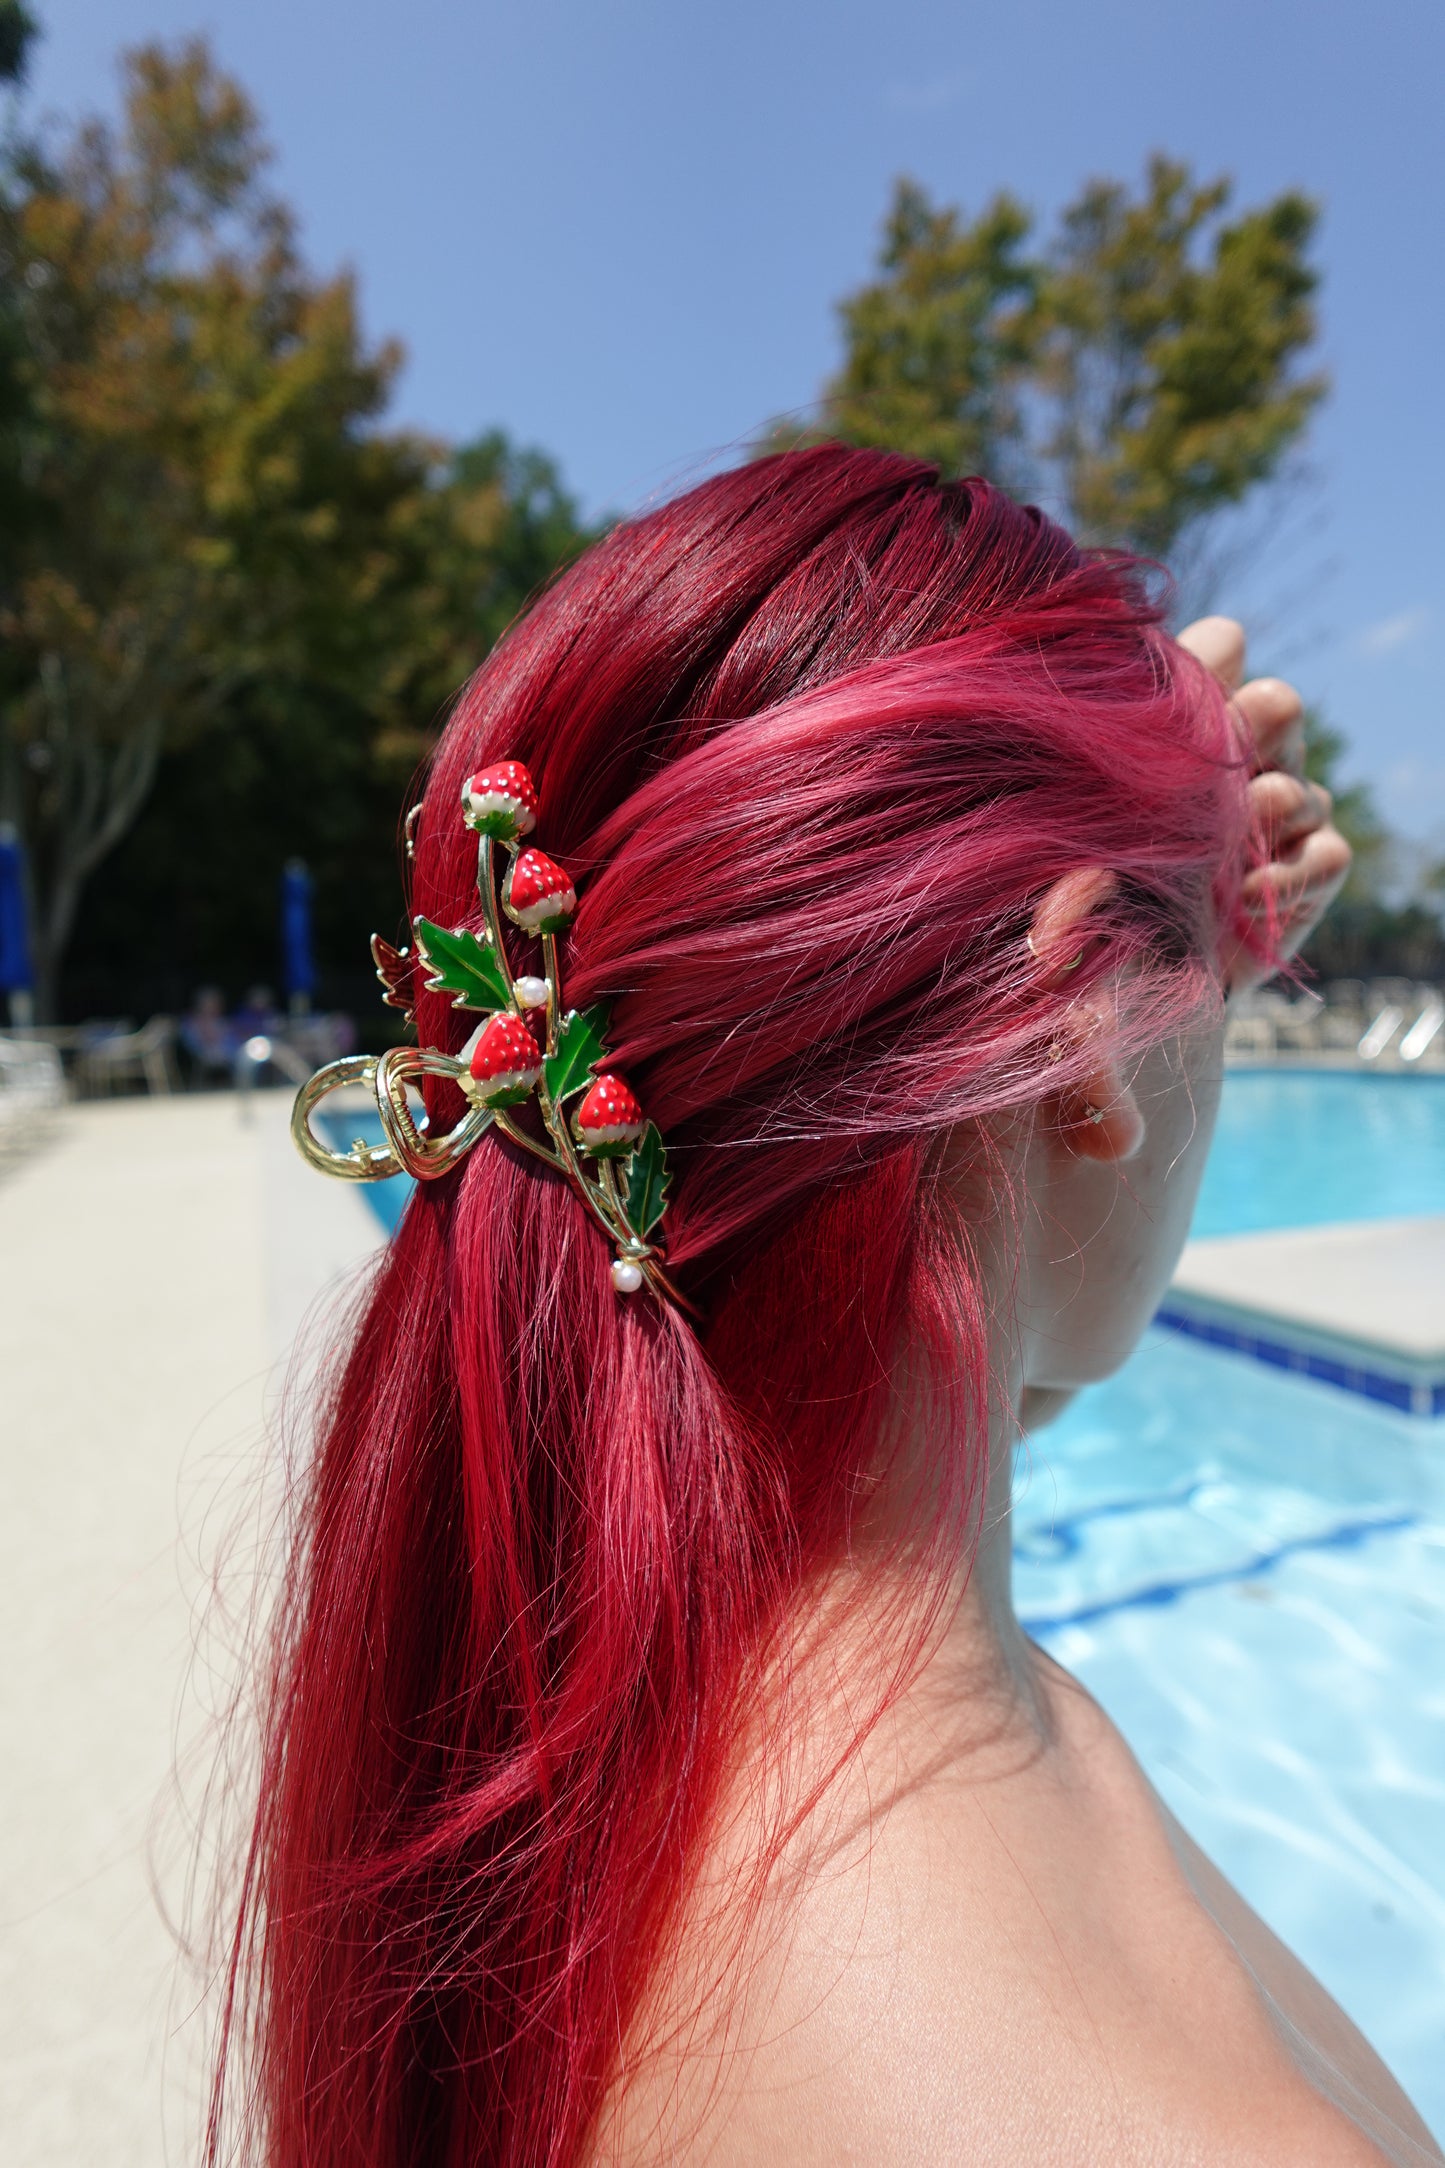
{"points": [[1248, 1570]]}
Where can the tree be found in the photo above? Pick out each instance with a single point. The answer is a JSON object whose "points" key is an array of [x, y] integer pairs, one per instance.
{"points": [[1141, 368], [220, 570], [937, 350], [17, 34], [492, 527], [317, 764], [216, 540]]}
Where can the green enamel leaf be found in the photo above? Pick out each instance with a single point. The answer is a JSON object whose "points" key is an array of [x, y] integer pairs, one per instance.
{"points": [[648, 1181], [462, 965], [580, 1046]]}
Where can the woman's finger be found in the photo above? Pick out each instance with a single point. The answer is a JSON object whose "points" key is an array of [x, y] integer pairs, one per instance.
{"points": [[1273, 714], [1310, 877], [1287, 807], [1217, 642], [1288, 896]]}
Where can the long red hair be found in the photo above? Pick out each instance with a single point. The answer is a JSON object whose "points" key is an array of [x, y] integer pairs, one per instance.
{"points": [[813, 738]]}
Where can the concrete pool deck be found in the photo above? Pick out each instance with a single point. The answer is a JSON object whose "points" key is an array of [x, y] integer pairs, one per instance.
{"points": [[1361, 1306], [156, 1258]]}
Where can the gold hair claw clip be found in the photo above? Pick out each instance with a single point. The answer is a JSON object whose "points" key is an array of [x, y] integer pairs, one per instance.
{"points": [[525, 1049]]}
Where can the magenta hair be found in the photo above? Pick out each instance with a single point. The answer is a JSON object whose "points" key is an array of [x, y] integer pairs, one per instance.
{"points": [[813, 739]]}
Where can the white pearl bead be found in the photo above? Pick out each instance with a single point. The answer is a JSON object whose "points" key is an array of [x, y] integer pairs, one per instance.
{"points": [[530, 993], [626, 1277]]}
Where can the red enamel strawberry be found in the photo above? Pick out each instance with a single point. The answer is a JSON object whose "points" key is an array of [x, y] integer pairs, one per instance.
{"points": [[501, 802], [609, 1120], [506, 1062], [539, 896]]}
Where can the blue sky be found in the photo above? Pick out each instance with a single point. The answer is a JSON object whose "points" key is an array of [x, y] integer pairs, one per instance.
{"points": [[618, 228]]}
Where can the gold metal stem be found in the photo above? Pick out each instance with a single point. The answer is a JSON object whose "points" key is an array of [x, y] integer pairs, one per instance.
{"points": [[641, 1253], [556, 1119], [590, 1193], [552, 972], [555, 1116], [607, 1177], [518, 1135], [487, 891]]}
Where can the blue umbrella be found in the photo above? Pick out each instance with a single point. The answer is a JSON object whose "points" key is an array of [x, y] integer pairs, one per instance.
{"points": [[17, 975], [298, 963]]}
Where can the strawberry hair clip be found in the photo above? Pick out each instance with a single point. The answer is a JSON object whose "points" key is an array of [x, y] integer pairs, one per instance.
{"points": [[525, 1051]]}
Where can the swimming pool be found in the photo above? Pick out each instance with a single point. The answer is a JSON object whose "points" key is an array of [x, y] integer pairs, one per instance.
{"points": [[1248, 1570], [1302, 1148]]}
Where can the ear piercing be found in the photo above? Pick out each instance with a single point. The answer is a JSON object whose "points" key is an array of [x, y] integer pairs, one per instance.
{"points": [[1072, 964]]}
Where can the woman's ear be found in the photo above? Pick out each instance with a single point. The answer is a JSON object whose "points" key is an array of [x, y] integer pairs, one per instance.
{"points": [[1060, 926], [1099, 1118]]}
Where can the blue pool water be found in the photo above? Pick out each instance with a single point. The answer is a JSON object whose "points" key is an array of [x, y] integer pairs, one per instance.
{"points": [[1248, 1570], [1301, 1148], [387, 1199]]}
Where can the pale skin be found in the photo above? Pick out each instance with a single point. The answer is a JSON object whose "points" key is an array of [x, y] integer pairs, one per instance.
{"points": [[989, 1944]]}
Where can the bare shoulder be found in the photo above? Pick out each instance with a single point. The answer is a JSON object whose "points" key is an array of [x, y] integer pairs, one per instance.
{"points": [[1012, 1956], [1329, 2050]]}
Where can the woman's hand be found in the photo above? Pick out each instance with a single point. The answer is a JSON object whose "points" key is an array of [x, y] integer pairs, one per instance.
{"points": [[1308, 857]]}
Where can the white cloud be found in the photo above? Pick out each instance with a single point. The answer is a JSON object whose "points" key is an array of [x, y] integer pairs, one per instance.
{"points": [[1392, 632], [930, 97]]}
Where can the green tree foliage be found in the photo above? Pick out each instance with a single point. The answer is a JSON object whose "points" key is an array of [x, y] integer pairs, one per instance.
{"points": [[938, 349], [1140, 367], [1169, 339], [225, 568], [298, 765], [204, 490], [17, 33], [1144, 367]]}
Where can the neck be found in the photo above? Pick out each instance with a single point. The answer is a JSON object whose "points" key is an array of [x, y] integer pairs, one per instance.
{"points": [[945, 1658], [982, 1663]]}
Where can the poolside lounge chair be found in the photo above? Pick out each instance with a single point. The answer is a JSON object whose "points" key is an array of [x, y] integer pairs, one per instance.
{"points": [[122, 1056]]}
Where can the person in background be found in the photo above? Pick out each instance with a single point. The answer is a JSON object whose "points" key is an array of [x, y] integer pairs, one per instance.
{"points": [[207, 1036], [257, 1015]]}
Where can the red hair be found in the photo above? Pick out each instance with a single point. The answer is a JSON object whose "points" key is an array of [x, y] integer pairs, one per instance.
{"points": [[813, 738]]}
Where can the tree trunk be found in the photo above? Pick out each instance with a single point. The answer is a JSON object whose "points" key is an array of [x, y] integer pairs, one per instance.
{"points": [[93, 798]]}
